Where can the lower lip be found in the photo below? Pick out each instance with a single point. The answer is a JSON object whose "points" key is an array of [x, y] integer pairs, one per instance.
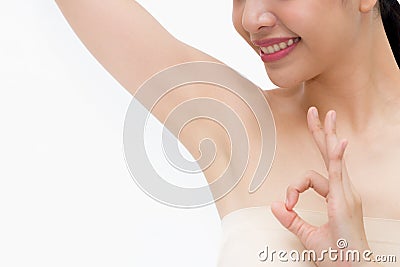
{"points": [[278, 55]]}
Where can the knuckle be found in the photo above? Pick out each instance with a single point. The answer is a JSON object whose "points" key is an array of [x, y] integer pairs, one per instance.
{"points": [[290, 188], [335, 173], [316, 128], [336, 156], [308, 174]]}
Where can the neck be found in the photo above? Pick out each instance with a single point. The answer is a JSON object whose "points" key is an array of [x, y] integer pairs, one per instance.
{"points": [[364, 91]]}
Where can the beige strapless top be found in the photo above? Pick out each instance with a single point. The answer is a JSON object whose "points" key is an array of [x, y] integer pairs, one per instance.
{"points": [[250, 234]]}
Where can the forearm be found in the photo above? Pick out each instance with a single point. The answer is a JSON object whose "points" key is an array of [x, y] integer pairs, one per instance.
{"points": [[123, 37]]}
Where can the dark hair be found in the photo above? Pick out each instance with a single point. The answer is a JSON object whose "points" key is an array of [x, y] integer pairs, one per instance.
{"points": [[390, 13]]}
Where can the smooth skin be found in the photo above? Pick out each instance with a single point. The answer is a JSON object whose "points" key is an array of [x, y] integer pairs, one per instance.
{"points": [[344, 205], [342, 63]]}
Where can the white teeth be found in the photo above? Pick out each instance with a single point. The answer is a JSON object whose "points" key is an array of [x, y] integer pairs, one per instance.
{"points": [[278, 47], [265, 50], [283, 45]]}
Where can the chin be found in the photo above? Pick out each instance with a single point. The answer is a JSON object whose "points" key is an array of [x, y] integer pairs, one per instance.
{"points": [[284, 81]]}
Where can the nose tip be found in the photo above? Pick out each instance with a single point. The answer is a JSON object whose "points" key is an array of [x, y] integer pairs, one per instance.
{"points": [[254, 20]]}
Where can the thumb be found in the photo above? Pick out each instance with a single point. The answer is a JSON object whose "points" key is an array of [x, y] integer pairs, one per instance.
{"points": [[292, 221]]}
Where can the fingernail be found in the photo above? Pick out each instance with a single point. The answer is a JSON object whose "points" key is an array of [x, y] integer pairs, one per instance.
{"points": [[333, 116], [315, 112]]}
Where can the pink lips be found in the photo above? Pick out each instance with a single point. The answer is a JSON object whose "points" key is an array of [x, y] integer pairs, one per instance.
{"points": [[277, 55]]}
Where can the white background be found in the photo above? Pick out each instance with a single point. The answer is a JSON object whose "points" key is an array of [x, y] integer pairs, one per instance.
{"points": [[66, 196]]}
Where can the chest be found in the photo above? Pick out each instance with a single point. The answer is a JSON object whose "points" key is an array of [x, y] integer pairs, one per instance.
{"points": [[374, 171]]}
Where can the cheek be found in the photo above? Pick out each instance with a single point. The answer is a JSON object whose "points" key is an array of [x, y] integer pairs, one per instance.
{"points": [[309, 18], [300, 18], [319, 21]]}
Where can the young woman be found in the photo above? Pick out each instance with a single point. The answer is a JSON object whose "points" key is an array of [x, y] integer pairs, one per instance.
{"points": [[336, 58]]}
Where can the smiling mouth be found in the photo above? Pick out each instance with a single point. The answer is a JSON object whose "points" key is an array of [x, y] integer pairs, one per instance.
{"points": [[279, 46]]}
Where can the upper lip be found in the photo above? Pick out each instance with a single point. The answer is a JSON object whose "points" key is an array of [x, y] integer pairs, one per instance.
{"points": [[271, 41]]}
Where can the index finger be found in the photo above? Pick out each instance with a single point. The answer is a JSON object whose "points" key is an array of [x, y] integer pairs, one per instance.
{"points": [[311, 179], [318, 133]]}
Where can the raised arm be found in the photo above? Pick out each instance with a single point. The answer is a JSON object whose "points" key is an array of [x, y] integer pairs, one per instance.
{"points": [[133, 46], [126, 39]]}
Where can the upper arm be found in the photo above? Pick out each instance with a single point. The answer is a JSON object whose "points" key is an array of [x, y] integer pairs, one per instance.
{"points": [[126, 39], [133, 46]]}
